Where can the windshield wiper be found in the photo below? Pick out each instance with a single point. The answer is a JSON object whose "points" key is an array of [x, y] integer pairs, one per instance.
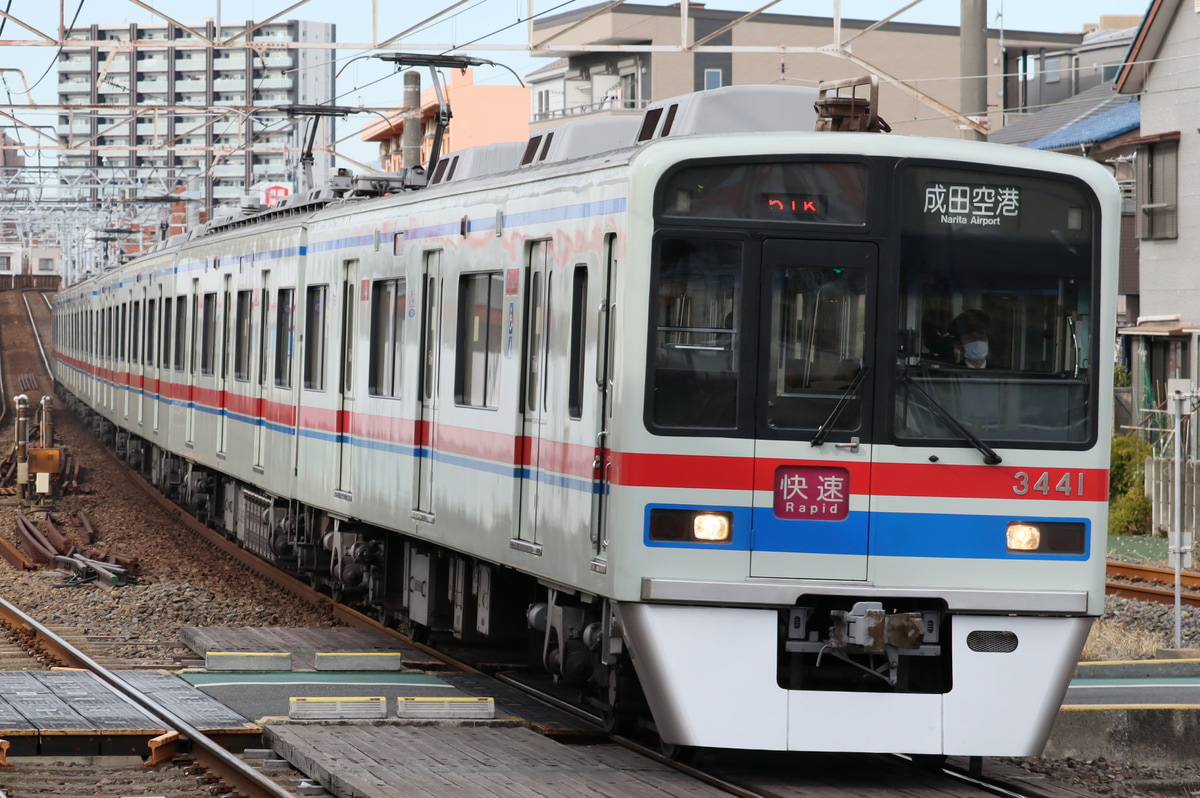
{"points": [[823, 430], [989, 455]]}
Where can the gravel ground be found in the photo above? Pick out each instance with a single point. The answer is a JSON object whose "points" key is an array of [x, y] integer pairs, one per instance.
{"points": [[182, 581]]}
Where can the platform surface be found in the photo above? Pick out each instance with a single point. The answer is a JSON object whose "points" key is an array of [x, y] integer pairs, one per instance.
{"points": [[388, 760]]}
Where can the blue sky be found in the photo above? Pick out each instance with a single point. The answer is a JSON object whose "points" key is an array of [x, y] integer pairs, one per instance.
{"points": [[367, 81]]}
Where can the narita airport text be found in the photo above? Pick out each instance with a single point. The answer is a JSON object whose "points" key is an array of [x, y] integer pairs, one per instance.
{"points": [[986, 221]]}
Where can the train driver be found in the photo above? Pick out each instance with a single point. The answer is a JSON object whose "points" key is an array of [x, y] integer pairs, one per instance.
{"points": [[970, 331]]}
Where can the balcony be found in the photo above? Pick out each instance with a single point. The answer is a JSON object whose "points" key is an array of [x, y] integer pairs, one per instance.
{"points": [[602, 108], [277, 60], [273, 83]]}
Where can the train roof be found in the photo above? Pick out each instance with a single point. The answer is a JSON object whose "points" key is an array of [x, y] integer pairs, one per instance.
{"points": [[732, 109]]}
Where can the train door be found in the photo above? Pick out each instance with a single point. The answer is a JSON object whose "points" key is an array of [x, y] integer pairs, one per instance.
{"points": [[193, 362], [602, 461], [264, 371], [812, 475], [152, 357], [533, 395], [345, 381], [426, 432], [223, 377]]}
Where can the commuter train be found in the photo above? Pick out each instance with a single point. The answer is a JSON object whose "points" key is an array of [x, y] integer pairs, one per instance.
{"points": [[695, 400]]}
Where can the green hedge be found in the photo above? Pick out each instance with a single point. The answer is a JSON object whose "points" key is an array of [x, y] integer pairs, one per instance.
{"points": [[1128, 506]]}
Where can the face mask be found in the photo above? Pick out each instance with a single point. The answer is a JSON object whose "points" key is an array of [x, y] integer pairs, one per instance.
{"points": [[976, 350]]}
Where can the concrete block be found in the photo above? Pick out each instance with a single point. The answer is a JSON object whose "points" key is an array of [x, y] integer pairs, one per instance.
{"points": [[236, 661], [355, 661]]}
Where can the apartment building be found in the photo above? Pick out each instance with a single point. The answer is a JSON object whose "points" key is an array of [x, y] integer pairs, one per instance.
{"points": [[613, 61], [149, 104]]}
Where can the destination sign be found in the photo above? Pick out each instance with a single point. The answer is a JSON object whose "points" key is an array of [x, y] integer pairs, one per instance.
{"points": [[983, 206]]}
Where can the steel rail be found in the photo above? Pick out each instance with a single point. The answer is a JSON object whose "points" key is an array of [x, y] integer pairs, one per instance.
{"points": [[1152, 573], [1159, 595], [216, 759], [37, 335], [4, 397]]}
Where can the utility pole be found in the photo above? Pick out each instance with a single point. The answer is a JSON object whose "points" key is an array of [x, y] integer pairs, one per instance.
{"points": [[972, 44]]}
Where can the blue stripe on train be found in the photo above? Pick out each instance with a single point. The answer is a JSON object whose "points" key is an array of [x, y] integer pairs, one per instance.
{"points": [[861, 534]]}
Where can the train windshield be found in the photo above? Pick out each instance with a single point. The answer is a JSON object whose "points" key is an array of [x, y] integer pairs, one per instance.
{"points": [[995, 309], [960, 311]]}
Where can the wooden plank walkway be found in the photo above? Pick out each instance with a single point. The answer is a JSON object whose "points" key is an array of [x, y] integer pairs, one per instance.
{"points": [[465, 761]]}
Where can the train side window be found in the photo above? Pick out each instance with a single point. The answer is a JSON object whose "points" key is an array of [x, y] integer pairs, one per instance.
{"points": [[121, 334], [181, 315], [537, 351], [151, 330], [388, 311], [208, 335], [241, 340], [579, 288], [165, 352], [695, 334], [195, 326], [264, 329], [315, 331], [480, 328], [284, 336], [226, 320], [135, 332]]}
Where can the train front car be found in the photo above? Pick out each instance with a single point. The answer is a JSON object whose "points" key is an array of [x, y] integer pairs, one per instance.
{"points": [[864, 506]]}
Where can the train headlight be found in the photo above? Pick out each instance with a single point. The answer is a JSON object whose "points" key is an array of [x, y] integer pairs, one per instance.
{"points": [[1047, 537], [1023, 537], [679, 525], [711, 527]]}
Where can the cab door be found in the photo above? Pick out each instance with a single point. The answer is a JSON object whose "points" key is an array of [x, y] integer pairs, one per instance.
{"points": [[812, 472]]}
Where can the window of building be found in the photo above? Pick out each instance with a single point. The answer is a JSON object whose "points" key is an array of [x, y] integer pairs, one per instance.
{"points": [[1157, 190], [1053, 70], [388, 311], [45, 264], [315, 332], [480, 331], [712, 79], [5, 263]]}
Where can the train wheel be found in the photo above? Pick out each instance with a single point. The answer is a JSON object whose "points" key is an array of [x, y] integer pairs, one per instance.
{"points": [[928, 761], [683, 754], [618, 720]]}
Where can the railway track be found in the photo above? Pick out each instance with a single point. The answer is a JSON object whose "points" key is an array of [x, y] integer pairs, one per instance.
{"points": [[1152, 583], [215, 760]]}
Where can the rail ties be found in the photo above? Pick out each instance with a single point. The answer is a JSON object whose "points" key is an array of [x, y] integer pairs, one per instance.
{"points": [[30, 383]]}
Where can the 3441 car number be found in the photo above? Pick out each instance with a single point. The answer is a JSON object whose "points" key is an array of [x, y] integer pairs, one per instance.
{"points": [[1066, 483]]}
